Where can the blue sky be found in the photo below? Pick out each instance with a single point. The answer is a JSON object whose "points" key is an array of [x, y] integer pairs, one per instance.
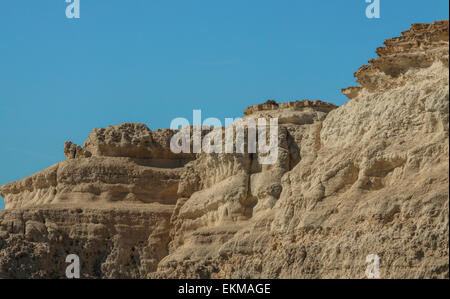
{"points": [[150, 61]]}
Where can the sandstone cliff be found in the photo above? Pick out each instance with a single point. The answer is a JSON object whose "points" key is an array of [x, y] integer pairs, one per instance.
{"points": [[369, 177]]}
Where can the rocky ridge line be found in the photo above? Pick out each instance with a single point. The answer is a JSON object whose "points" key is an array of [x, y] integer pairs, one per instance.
{"points": [[369, 177]]}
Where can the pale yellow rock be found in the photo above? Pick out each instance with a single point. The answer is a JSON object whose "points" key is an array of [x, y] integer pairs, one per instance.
{"points": [[369, 177]]}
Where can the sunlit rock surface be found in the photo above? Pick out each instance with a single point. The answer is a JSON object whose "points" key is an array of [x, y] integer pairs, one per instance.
{"points": [[369, 177]]}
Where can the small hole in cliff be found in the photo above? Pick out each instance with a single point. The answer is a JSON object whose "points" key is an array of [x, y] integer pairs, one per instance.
{"points": [[2, 203]]}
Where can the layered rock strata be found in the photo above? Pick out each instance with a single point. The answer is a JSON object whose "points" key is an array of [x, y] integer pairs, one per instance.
{"points": [[369, 177]]}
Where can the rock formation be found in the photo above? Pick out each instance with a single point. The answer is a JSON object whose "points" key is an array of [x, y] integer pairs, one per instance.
{"points": [[369, 177], [419, 47]]}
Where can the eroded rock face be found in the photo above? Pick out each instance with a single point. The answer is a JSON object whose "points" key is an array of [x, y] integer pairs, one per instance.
{"points": [[419, 47], [369, 177], [111, 242], [134, 141], [122, 163]]}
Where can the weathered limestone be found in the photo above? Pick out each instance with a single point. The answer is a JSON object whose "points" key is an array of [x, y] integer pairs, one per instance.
{"points": [[419, 47], [111, 242], [369, 177]]}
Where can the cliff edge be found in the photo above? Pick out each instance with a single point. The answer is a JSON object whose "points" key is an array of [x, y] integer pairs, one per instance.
{"points": [[369, 177]]}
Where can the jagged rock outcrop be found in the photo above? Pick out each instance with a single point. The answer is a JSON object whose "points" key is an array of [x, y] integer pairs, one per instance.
{"points": [[369, 177], [112, 242], [123, 163], [419, 47]]}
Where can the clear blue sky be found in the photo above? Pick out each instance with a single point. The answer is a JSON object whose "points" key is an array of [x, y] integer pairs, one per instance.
{"points": [[150, 61]]}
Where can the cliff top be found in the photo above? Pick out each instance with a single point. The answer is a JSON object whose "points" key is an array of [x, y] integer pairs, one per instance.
{"points": [[418, 47], [294, 105]]}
